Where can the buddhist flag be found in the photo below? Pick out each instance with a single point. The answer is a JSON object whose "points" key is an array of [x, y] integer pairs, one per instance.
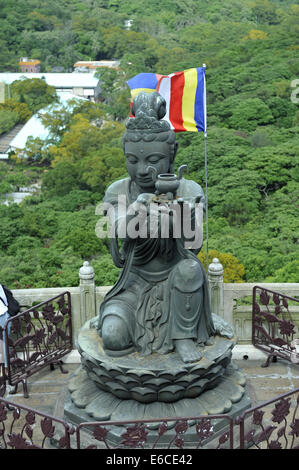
{"points": [[185, 95]]}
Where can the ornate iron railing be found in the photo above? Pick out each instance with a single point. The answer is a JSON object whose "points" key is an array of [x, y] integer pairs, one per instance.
{"points": [[22, 427], [168, 433], [37, 337], [273, 328], [271, 425], [272, 428], [42, 335]]}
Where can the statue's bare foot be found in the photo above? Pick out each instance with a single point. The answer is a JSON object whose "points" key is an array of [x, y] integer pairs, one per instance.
{"points": [[187, 349]]}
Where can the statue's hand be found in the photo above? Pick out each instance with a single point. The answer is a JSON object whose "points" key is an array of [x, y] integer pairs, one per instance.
{"points": [[145, 198], [138, 212], [139, 206]]}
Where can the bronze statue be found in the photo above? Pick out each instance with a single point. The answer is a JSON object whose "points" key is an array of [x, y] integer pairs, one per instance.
{"points": [[155, 349], [160, 302]]}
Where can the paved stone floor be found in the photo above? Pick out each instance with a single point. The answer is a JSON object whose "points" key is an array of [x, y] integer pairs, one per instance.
{"points": [[46, 388], [265, 383]]}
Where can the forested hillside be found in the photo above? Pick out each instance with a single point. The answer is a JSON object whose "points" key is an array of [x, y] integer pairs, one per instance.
{"points": [[250, 49]]}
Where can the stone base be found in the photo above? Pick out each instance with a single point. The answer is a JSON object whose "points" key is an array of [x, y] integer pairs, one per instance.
{"points": [[96, 405], [154, 378], [101, 406], [156, 387]]}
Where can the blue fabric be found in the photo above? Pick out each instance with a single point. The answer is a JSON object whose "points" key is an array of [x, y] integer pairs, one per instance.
{"points": [[143, 80], [3, 320]]}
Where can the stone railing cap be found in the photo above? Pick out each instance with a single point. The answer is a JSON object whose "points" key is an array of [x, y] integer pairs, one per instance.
{"points": [[216, 266], [86, 271]]}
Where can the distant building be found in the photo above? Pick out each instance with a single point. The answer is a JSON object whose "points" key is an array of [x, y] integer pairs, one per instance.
{"points": [[128, 24], [79, 84], [29, 65], [92, 65], [34, 126]]}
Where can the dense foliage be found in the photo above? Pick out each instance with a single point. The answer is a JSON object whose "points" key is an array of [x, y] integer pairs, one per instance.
{"points": [[250, 49]]}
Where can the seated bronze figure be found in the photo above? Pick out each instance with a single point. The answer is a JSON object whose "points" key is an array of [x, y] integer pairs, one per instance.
{"points": [[160, 302], [155, 349]]}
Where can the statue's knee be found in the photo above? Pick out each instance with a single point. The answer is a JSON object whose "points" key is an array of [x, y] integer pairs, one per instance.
{"points": [[188, 276], [115, 335]]}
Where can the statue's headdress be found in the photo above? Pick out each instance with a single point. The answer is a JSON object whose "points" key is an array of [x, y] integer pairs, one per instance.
{"points": [[149, 110], [148, 124]]}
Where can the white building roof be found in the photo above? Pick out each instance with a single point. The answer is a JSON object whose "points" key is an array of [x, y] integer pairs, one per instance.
{"points": [[97, 63], [34, 127], [58, 80]]}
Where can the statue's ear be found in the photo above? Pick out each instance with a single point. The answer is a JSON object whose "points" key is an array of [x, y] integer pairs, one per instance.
{"points": [[175, 149]]}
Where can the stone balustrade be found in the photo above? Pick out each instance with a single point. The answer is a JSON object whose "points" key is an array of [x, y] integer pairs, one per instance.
{"points": [[232, 301]]}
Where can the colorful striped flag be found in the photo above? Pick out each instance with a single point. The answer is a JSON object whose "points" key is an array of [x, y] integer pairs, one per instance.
{"points": [[185, 95]]}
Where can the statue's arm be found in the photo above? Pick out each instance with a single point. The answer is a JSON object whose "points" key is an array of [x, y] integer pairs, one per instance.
{"points": [[191, 193], [121, 212], [115, 205]]}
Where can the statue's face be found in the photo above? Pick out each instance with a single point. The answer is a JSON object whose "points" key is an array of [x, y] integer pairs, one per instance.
{"points": [[140, 155]]}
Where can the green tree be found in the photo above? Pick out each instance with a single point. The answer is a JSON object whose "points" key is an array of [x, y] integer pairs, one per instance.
{"points": [[233, 270], [264, 12], [34, 92], [61, 180], [8, 119], [249, 114], [114, 93], [21, 109]]}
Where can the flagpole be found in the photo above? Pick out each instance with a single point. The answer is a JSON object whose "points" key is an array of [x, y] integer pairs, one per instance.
{"points": [[206, 167]]}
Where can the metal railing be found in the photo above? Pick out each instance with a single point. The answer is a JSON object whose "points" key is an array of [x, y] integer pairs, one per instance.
{"points": [[35, 338], [271, 428], [22, 427], [273, 328], [271, 425], [167, 433]]}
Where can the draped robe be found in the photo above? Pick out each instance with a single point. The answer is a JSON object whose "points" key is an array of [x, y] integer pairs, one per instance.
{"points": [[146, 293]]}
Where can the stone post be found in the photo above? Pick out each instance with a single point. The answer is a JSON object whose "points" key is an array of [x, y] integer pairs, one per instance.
{"points": [[87, 293], [215, 276]]}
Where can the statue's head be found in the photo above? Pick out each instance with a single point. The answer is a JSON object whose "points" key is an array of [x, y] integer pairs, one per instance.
{"points": [[148, 140]]}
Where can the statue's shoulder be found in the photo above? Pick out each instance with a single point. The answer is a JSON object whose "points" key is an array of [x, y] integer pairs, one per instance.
{"points": [[189, 188], [115, 189]]}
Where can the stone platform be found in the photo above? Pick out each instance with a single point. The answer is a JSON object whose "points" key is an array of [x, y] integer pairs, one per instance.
{"points": [[133, 387], [48, 388], [156, 378], [92, 403]]}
